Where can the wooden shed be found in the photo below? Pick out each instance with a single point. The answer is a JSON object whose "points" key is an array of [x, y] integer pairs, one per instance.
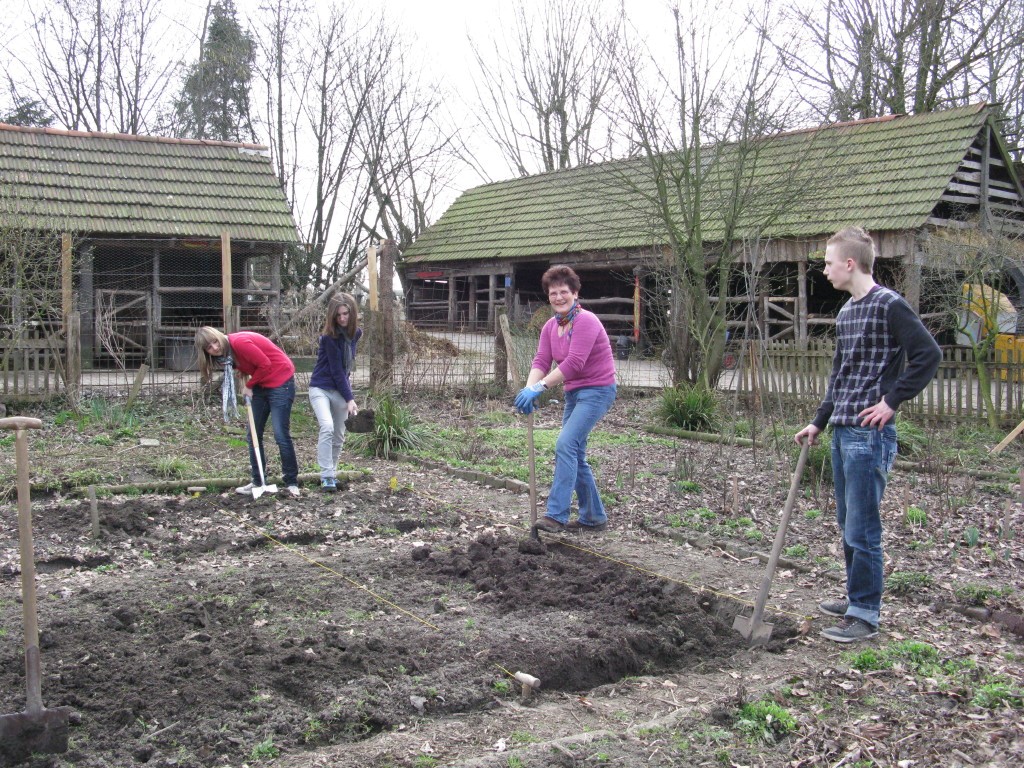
{"points": [[900, 177], [157, 236]]}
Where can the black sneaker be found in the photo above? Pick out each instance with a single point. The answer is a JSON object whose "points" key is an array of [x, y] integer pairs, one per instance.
{"points": [[328, 485], [850, 630], [549, 525], [834, 607], [577, 527]]}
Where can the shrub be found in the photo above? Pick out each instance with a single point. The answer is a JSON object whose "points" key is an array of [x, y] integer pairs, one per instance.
{"points": [[691, 407], [916, 516], [818, 470], [394, 430], [995, 694]]}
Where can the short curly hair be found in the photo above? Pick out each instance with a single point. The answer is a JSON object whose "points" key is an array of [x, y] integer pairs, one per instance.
{"points": [[560, 274]]}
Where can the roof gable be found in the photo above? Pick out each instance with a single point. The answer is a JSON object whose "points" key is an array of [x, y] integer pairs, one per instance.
{"points": [[117, 185], [884, 174]]}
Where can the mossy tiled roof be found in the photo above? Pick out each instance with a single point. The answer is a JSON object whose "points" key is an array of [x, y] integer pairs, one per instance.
{"points": [[883, 174], [120, 185]]}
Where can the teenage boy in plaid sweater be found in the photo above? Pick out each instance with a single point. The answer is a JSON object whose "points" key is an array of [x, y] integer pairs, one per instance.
{"points": [[884, 356]]}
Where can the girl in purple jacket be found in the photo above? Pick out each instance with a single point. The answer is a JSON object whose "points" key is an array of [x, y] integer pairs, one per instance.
{"points": [[578, 344], [330, 386]]}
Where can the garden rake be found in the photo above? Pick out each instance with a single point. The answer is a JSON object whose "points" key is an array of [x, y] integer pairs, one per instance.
{"points": [[754, 629], [257, 490], [37, 729]]}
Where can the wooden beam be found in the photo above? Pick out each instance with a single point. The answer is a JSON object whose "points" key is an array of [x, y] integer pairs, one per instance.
{"points": [[66, 278]]}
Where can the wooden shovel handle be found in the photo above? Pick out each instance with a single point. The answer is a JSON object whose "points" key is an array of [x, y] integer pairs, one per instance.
{"points": [[20, 422]]}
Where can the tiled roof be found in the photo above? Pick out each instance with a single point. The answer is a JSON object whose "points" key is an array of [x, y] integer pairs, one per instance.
{"points": [[121, 185], [884, 174]]}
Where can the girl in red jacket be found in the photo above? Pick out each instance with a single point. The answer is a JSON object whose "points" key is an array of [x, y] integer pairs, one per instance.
{"points": [[268, 377]]}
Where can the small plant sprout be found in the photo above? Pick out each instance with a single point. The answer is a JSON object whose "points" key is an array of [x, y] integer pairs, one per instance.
{"points": [[916, 517], [971, 536], [265, 750], [764, 722]]}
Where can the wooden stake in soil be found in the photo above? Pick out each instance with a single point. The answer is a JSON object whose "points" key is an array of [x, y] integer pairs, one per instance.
{"points": [[94, 513]]}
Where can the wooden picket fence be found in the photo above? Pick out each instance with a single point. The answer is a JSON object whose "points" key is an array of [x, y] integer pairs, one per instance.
{"points": [[32, 362], [794, 372]]}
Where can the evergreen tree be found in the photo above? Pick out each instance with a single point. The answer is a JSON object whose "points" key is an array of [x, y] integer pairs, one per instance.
{"points": [[214, 101], [27, 113]]}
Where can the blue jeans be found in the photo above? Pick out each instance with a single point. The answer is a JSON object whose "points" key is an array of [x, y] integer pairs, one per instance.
{"points": [[331, 410], [584, 407], [274, 403], [862, 458]]}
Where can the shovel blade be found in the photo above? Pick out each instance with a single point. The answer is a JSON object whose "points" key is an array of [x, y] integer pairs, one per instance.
{"points": [[259, 490], [24, 733], [755, 634]]}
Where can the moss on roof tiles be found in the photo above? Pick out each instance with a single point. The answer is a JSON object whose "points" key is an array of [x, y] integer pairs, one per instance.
{"points": [[887, 174], [109, 184]]}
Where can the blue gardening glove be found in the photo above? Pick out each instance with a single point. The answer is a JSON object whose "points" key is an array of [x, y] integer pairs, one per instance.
{"points": [[527, 397]]}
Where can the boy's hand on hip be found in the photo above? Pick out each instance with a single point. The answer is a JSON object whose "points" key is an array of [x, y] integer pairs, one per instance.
{"points": [[877, 415]]}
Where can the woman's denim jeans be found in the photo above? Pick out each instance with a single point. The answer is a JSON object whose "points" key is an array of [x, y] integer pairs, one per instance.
{"points": [[275, 403], [584, 407], [331, 410], [861, 460]]}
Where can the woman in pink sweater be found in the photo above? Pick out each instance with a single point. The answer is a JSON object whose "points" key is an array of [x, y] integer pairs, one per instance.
{"points": [[578, 344]]}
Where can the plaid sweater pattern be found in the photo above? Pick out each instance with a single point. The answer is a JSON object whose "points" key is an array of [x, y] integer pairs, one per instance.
{"points": [[871, 339]]}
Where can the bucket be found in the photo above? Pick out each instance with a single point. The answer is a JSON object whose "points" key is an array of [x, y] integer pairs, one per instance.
{"points": [[180, 355]]}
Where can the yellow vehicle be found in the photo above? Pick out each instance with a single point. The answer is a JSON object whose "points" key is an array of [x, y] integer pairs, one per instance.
{"points": [[986, 311]]}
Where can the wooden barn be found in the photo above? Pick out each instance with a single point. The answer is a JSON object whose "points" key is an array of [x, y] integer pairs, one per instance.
{"points": [[156, 236], [902, 177]]}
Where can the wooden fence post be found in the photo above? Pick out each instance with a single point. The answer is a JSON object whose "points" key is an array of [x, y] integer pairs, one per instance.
{"points": [[226, 282], [382, 354]]}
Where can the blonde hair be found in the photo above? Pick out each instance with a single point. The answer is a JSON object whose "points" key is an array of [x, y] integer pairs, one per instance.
{"points": [[331, 321], [204, 336], [855, 243]]}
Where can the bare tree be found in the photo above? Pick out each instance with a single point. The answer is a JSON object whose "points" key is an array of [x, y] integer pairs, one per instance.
{"points": [[698, 179], [409, 149], [96, 64], [865, 58], [541, 100]]}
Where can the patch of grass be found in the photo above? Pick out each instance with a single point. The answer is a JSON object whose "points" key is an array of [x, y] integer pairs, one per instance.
{"points": [[425, 761], [104, 440], [978, 594], [869, 660], [502, 686], [764, 722], [998, 693], [173, 467], [685, 486], [83, 477], [911, 439], [818, 470], [515, 762], [524, 737], [971, 535], [797, 550], [694, 408], [752, 534], [907, 582], [812, 514]]}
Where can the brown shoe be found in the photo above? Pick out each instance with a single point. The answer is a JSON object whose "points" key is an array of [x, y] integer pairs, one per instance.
{"points": [[549, 525], [577, 527]]}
